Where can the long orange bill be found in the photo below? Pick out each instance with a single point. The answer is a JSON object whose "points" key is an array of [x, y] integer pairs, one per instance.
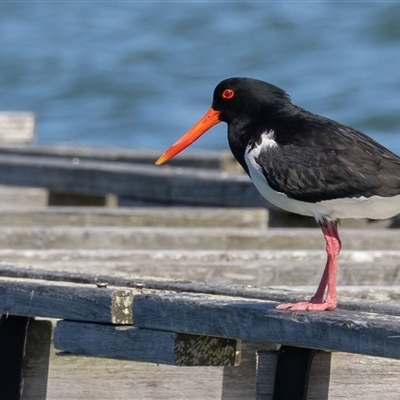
{"points": [[210, 119]]}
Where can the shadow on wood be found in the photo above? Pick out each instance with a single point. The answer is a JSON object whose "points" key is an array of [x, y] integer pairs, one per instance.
{"points": [[12, 348], [36, 361], [76, 199], [239, 382]]}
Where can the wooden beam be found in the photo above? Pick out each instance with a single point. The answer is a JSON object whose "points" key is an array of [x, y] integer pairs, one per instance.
{"points": [[372, 275], [28, 297], [347, 331], [374, 299], [135, 217], [208, 159], [207, 314], [205, 159], [130, 343], [162, 238], [21, 197], [164, 185]]}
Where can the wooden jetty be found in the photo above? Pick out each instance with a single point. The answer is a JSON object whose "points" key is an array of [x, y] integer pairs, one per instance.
{"points": [[119, 279]]}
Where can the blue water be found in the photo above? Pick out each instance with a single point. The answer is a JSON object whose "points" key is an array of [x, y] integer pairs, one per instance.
{"points": [[139, 74]]}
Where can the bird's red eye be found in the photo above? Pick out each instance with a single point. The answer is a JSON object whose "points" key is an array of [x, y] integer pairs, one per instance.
{"points": [[228, 94]]}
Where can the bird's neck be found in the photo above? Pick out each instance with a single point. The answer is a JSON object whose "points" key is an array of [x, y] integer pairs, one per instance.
{"points": [[240, 136], [246, 132]]}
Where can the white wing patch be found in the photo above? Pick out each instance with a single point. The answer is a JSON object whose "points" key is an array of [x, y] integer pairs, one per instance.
{"points": [[267, 141]]}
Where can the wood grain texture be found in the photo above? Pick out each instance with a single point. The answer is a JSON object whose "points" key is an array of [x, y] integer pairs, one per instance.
{"points": [[346, 331], [350, 376], [28, 297], [165, 185], [130, 343], [376, 299], [205, 159], [262, 268], [162, 238], [131, 217], [231, 317], [21, 197]]}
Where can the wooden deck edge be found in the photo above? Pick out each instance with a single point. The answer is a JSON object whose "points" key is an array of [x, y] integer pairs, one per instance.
{"points": [[358, 330], [37, 298]]}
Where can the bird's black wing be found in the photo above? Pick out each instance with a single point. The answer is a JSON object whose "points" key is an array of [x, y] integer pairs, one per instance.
{"points": [[324, 160]]}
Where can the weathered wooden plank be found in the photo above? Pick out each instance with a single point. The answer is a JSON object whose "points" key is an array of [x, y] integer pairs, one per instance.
{"points": [[28, 297], [206, 159], [131, 217], [17, 127], [31, 298], [282, 273], [222, 160], [347, 331], [259, 257], [247, 267], [156, 238], [130, 343], [378, 299], [22, 196], [162, 238], [164, 185]]}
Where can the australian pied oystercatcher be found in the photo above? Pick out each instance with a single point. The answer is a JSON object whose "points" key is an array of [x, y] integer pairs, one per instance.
{"points": [[303, 163]]}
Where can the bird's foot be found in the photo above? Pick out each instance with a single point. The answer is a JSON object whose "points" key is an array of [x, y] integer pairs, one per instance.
{"points": [[311, 305]]}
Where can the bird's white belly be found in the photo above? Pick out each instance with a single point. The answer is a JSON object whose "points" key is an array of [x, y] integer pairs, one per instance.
{"points": [[374, 207]]}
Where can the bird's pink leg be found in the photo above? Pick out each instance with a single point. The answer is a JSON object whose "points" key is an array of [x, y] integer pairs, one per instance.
{"points": [[328, 280]]}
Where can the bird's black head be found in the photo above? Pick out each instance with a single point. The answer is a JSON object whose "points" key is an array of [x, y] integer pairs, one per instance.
{"points": [[247, 105], [244, 99]]}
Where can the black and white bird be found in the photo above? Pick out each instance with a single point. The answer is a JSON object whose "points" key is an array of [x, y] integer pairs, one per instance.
{"points": [[303, 163]]}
